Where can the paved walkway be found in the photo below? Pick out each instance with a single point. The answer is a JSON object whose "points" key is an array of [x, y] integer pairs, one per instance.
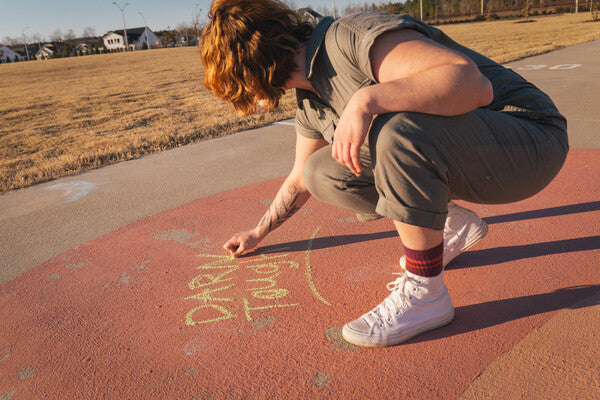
{"points": [[115, 285]]}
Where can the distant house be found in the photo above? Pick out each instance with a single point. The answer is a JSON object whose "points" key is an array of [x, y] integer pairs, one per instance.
{"points": [[8, 55], [137, 38], [45, 52], [82, 48]]}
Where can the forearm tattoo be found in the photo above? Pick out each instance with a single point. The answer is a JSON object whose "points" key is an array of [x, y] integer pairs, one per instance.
{"points": [[284, 206]]}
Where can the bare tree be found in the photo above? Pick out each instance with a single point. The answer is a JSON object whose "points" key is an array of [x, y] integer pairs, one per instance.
{"points": [[70, 35], [169, 36], [88, 32], [38, 38], [324, 10], [293, 4], [9, 41], [196, 24], [56, 36]]}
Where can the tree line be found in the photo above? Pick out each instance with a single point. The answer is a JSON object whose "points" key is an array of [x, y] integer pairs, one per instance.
{"points": [[465, 10]]}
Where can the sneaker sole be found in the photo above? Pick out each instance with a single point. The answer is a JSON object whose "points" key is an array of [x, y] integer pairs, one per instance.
{"points": [[368, 341]]}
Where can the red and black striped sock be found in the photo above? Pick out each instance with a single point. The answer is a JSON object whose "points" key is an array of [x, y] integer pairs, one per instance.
{"points": [[425, 263]]}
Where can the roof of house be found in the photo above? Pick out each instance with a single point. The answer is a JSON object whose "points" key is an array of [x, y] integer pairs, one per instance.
{"points": [[133, 34]]}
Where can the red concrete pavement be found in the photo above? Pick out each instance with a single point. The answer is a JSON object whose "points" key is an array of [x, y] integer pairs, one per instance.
{"points": [[156, 310]]}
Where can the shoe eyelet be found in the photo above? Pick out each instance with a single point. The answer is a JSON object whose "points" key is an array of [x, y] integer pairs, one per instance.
{"points": [[410, 297]]}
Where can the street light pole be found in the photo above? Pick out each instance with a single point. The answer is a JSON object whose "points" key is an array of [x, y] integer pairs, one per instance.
{"points": [[25, 40], [124, 28], [197, 11], [145, 30]]}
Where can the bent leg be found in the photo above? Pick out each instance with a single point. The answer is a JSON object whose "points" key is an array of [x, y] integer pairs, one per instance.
{"points": [[335, 184], [421, 161]]}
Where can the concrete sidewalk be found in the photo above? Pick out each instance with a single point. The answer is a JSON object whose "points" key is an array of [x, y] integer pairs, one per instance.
{"points": [[105, 273]]}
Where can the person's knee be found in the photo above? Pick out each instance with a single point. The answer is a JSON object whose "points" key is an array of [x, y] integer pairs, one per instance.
{"points": [[393, 130]]}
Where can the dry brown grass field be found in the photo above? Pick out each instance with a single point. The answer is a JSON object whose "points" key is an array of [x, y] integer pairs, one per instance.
{"points": [[64, 116]]}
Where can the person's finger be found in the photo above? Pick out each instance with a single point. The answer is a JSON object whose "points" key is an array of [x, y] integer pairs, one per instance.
{"points": [[334, 151], [348, 157], [233, 243], [355, 157], [241, 248], [230, 246]]}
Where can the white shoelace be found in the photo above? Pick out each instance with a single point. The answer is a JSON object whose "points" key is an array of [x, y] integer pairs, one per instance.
{"points": [[393, 305]]}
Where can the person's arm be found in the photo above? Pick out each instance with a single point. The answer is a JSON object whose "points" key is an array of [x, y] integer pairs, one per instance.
{"points": [[415, 74], [291, 196]]}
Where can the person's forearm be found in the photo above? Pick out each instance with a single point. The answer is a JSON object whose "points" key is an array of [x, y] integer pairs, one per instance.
{"points": [[446, 90], [290, 197]]}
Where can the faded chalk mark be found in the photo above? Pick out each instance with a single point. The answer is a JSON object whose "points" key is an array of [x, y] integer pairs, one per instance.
{"points": [[320, 380], [27, 373], [143, 267], [308, 271], [125, 279], [306, 210], [335, 338], [73, 190], [192, 348], [8, 395], [190, 372], [519, 226], [73, 266], [263, 321], [485, 211], [4, 353], [205, 396], [369, 272], [53, 276], [204, 344], [202, 245], [347, 219], [175, 235]]}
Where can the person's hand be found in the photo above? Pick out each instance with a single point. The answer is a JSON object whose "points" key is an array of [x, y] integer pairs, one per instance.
{"points": [[350, 134], [241, 242]]}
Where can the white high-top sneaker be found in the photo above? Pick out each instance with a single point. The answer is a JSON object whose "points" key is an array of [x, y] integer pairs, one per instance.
{"points": [[416, 304], [462, 231]]}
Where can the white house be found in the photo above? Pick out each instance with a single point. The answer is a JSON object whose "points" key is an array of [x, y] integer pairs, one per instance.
{"points": [[46, 52], [136, 38], [7, 55]]}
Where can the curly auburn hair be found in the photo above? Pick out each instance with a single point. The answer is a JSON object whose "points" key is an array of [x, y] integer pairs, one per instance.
{"points": [[248, 50]]}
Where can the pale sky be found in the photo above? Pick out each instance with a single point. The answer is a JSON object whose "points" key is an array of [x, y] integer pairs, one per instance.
{"points": [[46, 16]]}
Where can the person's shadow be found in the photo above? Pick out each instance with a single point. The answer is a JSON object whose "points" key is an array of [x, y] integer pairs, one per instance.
{"points": [[484, 315], [475, 258]]}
